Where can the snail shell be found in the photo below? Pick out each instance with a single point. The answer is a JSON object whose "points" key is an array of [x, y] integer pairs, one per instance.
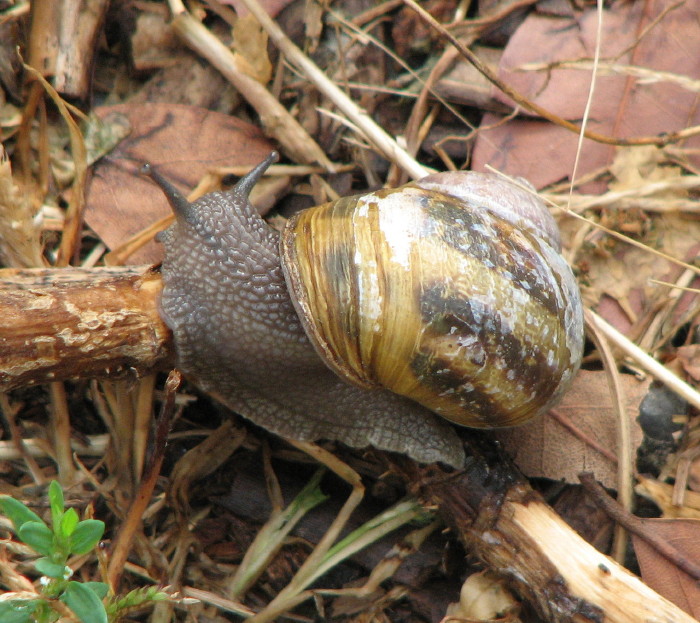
{"points": [[450, 291]]}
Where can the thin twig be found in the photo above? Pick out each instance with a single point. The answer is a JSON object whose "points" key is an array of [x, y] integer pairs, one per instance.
{"points": [[637, 526], [650, 364], [122, 544], [374, 134]]}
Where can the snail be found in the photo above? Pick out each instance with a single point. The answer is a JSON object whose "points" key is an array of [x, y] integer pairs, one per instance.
{"points": [[367, 316]]}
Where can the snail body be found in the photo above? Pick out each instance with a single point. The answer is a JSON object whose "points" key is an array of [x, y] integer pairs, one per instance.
{"points": [[424, 290]]}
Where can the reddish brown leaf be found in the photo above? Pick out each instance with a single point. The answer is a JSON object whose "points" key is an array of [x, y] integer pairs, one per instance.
{"points": [[663, 575], [546, 448], [622, 106], [183, 143]]}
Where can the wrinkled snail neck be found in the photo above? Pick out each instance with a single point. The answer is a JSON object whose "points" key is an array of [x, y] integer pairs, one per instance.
{"points": [[225, 297]]}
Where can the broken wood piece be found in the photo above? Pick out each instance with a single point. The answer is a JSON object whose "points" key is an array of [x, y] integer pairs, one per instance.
{"points": [[64, 41], [512, 530], [58, 324]]}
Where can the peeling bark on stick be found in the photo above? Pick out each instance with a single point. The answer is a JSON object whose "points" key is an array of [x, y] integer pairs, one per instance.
{"points": [[58, 324], [506, 524]]}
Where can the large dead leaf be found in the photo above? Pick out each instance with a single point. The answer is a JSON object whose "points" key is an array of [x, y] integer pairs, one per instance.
{"points": [[663, 575], [183, 143], [546, 448], [622, 105]]}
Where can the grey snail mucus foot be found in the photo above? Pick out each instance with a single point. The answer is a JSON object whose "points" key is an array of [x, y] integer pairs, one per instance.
{"points": [[369, 315]]}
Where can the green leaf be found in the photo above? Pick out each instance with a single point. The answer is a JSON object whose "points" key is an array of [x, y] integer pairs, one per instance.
{"points": [[84, 602], [68, 523], [99, 588], [136, 598], [17, 610], [51, 569], [57, 503], [38, 536], [18, 513], [86, 536]]}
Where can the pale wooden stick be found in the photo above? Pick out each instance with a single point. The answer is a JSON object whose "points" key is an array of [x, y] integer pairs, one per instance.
{"points": [[658, 371], [275, 118]]}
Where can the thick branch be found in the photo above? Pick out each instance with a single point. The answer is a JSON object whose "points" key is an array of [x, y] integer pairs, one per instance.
{"points": [[57, 324], [512, 530]]}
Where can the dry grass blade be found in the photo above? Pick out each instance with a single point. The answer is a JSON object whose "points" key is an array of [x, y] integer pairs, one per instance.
{"points": [[73, 220], [278, 122], [650, 364], [625, 458], [384, 143]]}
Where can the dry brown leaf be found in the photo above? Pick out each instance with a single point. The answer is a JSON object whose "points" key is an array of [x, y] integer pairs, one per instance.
{"points": [[250, 46], [689, 357], [545, 448], [182, 143], [622, 284], [636, 166], [622, 106], [663, 575], [20, 244]]}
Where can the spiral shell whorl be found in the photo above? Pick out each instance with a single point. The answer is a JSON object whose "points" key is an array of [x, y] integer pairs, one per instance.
{"points": [[439, 297]]}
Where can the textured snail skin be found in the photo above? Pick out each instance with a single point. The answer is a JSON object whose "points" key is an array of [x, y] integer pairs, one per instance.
{"points": [[238, 336]]}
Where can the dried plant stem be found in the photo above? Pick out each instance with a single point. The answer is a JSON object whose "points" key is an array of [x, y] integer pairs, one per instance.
{"points": [[19, 448], [579, 203], [275, 119], [624, 439], [60, 421], [143, 413], [127, 530], [74, 216], [658, 371], [384, 143], [95, 445]]}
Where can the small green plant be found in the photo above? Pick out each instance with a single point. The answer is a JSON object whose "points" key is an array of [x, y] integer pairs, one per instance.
{"points": [[67, 536]]}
